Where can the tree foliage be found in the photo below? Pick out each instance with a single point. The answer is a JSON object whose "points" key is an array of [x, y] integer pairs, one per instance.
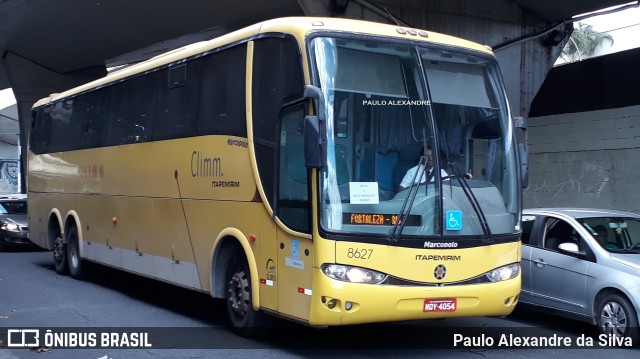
{"points": [[583, 43]]}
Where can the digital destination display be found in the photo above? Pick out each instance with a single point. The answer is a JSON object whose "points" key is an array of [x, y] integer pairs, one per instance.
{"points": [[378, 219]]}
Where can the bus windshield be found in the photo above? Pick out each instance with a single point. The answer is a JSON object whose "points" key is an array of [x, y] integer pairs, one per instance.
{"points": [[416, 135]]}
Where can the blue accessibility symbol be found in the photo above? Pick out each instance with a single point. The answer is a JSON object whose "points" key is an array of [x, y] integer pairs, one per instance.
{"points": [[295, 249], [454, 220]]}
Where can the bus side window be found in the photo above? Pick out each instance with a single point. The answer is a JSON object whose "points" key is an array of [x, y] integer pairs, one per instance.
{"points": [[177, 101], [223, 95], [60, 122], [293, 198], [124, 111], [277, 81], [40, 130], [292, 167]]}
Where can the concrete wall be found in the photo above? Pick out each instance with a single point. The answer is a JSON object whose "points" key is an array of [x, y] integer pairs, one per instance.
{"points": [[586, 159], [9, 132], [9, 151]]}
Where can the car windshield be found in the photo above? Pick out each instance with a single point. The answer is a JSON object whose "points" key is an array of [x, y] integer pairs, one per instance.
{"points": [[13, 207], [405, 126], [614, 233]]}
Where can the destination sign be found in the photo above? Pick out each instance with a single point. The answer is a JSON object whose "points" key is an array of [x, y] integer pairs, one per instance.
{"points": [[378, 219]]}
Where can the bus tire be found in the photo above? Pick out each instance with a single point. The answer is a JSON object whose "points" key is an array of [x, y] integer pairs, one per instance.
{"points": [[244, 320], [60, 255], [77, 266], [615, 316]]}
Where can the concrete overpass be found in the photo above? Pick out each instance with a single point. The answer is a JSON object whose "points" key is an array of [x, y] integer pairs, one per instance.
{"points": [[50, 45]]}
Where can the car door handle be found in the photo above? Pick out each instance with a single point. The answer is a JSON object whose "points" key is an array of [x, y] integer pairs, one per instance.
{"points": [[540, 262]]}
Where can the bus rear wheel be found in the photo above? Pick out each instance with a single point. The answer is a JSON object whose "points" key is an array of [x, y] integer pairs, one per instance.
{"points": [[77, 266], [60, 255], [244, 320]]}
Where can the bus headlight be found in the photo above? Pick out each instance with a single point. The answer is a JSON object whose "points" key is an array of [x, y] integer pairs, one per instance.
{"points": [[504, 273], [352, 274]]}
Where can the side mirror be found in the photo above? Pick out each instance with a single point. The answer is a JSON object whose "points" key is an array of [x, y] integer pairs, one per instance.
{"points": [[571, 248], [522, 139], [315, 135], [568, 247]]}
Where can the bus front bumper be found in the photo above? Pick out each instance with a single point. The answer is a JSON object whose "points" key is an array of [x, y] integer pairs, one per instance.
{"points": [[343, 303]]}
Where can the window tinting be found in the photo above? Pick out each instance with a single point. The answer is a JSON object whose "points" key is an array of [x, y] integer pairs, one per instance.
{"points": [[177, 102], [293, 196], [222, 101], [13, 207], [199, 96], [125, 110], [527, 228], [277, 80]]}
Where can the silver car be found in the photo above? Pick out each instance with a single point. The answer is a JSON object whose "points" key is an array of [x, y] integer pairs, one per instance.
{"points": [[583, 264]]}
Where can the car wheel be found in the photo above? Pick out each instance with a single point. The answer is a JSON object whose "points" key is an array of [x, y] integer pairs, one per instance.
{"points": [[77, 266], [616, 316], [60, 255], [244, 320], [2, 246]]}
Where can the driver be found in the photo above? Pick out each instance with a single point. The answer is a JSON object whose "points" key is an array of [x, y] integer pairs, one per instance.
{"points": [[411, 173], [409, 176], [601, 236]]}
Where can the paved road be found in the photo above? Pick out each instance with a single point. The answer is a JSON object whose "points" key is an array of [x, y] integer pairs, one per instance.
{"points": [[33, 295]]}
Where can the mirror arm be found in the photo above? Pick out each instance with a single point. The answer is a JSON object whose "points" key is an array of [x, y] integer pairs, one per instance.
{"points": [[315, 134], [523, 149]]}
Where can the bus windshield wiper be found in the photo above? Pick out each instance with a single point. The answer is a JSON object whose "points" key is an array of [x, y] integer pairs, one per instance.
{"points": [[474, 204], [412, 192]]}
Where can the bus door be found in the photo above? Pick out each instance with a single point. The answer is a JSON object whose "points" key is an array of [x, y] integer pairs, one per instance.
{"points": [[295, 257]]}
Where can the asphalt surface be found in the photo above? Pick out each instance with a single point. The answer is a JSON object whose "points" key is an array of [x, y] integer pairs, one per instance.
{"points": [[184, 324]]}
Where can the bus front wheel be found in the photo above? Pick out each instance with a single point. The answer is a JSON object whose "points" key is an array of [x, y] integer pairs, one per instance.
{"points": [[244, 320]]}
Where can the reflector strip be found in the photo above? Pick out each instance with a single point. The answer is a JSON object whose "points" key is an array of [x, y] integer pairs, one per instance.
{"points": [[304, 291]]}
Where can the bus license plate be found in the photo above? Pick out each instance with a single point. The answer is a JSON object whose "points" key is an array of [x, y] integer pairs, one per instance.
{"points": [[440, 305]]}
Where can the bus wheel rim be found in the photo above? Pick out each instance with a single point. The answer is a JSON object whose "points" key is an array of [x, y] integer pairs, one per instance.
{"points": [[239, 294], [58, 249], [74, 257]]}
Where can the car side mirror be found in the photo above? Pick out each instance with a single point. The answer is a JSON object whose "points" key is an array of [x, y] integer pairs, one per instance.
{"points": [[570, 248]]}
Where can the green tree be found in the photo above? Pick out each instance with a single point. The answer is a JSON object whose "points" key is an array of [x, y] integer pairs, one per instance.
{"points": [[583, 43]]}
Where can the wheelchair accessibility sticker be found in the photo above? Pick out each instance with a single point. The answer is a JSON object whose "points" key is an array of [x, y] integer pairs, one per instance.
{"points": [[294, 255], [454, 220]]}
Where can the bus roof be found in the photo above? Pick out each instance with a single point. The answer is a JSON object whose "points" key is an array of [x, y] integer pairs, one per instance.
{"points": [[299, 27]]}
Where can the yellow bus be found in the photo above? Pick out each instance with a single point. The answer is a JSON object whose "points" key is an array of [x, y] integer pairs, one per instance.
{"points": [[269, 167]]}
